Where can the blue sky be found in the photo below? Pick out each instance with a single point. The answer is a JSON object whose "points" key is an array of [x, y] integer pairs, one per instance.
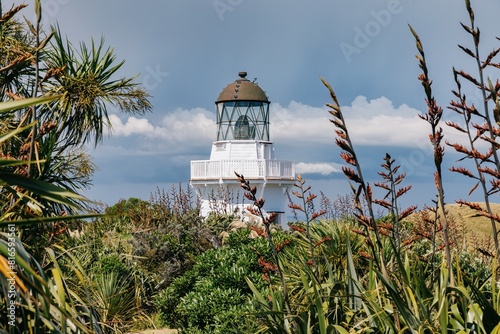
{"points": [[186, 51]]}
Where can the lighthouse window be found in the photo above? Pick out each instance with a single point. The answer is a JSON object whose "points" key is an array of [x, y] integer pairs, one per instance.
{"points": [[243, 130]]}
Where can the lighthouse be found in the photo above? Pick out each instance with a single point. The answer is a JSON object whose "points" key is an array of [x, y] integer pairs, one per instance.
{"points": [[243, 145]]}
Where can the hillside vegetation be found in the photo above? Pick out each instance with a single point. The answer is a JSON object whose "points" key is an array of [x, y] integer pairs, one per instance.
{"points": [[467, 221], [473, 222]]}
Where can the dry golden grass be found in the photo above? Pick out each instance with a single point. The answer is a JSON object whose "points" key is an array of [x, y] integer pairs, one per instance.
{"points": [[467, 227], [471, 220]]}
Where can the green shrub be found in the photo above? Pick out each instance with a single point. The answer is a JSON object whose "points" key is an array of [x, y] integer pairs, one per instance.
{"points": [[167, 300], [112, 264], [213, 309], [213, 296], [473, 268]]}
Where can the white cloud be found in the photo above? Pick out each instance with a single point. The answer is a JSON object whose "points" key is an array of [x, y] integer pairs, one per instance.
{"points": [[374, 123], [186, 125], [133, 126], [317, 168], [180, 127], [378, 123], [299, 122]]}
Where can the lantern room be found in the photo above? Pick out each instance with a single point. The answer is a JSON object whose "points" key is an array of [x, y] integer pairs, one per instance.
{"points": [[242, 111]]}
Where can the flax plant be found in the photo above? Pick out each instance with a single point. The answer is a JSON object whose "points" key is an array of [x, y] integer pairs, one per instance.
{"points": [[390, 200], [363, 190], [485, 132], [324, 298], [307, 208], [115, 300], [42, 300], [433, 117], [256, 209]]}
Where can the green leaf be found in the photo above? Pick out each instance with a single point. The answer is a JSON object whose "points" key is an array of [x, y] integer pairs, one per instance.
{"points": [[12, 133], [340, 329], [43, 189], [11, 163], [44, 42], [44, 220], [19, 104], [59, 281], [491, 316], [399, 302], [30, 26], [352, 284]]}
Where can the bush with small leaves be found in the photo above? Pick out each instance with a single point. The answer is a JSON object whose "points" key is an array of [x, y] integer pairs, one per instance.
{"points": [[111, 264], [213, 296]]}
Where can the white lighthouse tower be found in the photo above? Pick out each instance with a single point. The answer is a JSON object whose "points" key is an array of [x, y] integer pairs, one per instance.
{"points": [[243, 146]]}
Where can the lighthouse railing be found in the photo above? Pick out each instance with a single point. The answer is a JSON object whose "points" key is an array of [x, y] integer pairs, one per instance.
{"points": [[251, 169]]}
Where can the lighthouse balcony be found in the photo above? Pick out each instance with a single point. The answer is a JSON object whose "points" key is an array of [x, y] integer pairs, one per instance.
{"points": [[251, 169]]}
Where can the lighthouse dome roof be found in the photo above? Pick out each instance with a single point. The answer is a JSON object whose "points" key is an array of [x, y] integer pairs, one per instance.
{"points": [[242, 90]]}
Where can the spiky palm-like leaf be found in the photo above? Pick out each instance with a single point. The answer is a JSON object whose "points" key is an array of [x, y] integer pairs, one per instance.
{"points": [[86, 80]]}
